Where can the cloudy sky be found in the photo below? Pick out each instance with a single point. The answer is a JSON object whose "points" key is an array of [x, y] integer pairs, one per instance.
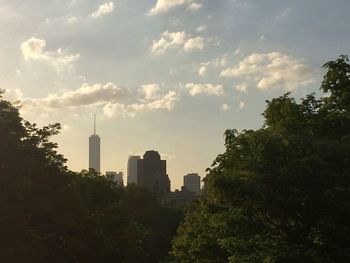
{"points": [[168, 75]]}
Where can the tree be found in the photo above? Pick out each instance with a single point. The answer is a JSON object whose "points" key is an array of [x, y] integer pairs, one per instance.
{"points": [[51, 214], [280, 193], [39, 209]]}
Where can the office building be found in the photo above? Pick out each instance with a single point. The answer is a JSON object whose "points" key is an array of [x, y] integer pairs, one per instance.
{"points": [[192, 183], [151, 172], [94, 150], [115, 177], [132, 169]]}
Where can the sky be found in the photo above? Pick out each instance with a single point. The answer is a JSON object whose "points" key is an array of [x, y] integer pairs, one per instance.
{"points": [[165, 75]]}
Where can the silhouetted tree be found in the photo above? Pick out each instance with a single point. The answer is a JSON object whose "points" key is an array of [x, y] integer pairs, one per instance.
{"points": [[280, 193], [50, 214]]}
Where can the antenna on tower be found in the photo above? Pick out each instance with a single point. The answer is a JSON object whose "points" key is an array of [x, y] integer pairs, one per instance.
{"points": [[94, 124]]}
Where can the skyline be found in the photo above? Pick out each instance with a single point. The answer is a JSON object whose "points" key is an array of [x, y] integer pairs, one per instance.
{"points": [[95, 159], [170, 76]]}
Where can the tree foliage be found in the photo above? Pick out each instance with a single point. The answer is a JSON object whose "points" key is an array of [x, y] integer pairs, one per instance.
{"points": [[280, 193], [51, 214]]}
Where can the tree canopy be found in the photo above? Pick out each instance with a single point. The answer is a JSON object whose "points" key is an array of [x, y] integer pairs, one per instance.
{"points": [[51, 214], [280, 193]]}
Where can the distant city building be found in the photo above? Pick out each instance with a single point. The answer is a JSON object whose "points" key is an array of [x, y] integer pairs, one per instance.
{"points": [[192, 183], [151, 172], [111, 175], [132, 169], [180, 198], [94, 150], [115, 177], [119, 178]]}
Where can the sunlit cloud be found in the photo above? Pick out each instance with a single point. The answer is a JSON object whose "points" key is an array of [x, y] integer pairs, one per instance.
{"points": [[150, 90], [112, 99], [163, 6], [194, 6], [202, 71], [209, 89], [165, 102], [242, 87], [86, 95], [194, 43], [34, 49], [241, 104], [177, 41], [225, 107], [272, 71], [202, 28], [103, 9]]}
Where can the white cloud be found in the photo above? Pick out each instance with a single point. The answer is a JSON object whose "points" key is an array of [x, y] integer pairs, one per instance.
{"points": [[210, 89], [194, 6], [202, 71], [202, 28], [163, 6], [168, 41], [166, 102], [113, 100], [150, 90], [220, 61], [262, 38], [242, 87], [34, 49], [238, 52], [13, 95], [68, 19], [86, 95], [114, 109], [176, 40], [194, 43], [225, 107], [103, 9], [272, 71], [241, 105]]}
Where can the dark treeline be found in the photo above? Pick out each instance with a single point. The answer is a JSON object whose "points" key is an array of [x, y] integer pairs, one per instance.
{"points": [[280, 193], [50, 214], [277, 194]]}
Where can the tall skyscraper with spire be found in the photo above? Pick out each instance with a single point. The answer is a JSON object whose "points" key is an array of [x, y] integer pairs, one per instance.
{"points": [[94, 150]]}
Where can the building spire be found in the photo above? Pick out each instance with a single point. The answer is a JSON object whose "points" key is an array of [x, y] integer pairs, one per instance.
{"points": [[94, 124]]}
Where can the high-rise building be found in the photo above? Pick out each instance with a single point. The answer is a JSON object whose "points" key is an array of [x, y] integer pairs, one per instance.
{"points": [[119, 178], [115, 177], [192, 182], [151, 172], [94, 150], [132, 169]]}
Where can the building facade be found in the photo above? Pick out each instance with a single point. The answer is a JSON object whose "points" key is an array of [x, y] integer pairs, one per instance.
{"points": [[151, 173], [95, 150], [192, 183], [115, 177], [94, 153], [132, 169]]}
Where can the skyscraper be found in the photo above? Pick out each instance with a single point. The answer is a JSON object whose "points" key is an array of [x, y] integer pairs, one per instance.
{"points": [[132, 169], [94, 150], [151, 172], [192, 182]]}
